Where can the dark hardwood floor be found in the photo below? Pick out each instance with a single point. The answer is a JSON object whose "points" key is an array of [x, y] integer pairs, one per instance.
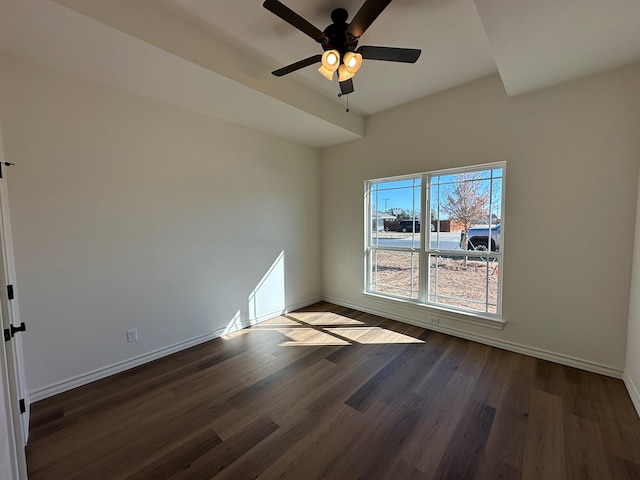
{"points": [[329, 392]]}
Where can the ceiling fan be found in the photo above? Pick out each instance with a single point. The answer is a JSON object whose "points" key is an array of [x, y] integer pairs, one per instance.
{"points": [[340, 42]]}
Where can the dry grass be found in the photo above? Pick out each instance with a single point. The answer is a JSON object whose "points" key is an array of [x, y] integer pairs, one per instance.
{"points": [[451, 281]]}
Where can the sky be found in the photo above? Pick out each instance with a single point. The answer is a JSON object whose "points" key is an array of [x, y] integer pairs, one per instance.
{"points": [[404, 194]]}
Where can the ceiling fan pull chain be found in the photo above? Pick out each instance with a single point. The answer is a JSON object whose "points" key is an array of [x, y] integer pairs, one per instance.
{"points": [[340, 94]]}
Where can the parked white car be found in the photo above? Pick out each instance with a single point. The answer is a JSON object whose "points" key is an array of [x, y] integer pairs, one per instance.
{"points": [[480, 239]]}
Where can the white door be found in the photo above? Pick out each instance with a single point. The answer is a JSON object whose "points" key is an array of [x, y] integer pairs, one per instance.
{"points": [[12, 455], [15, 404], [9, 303]]}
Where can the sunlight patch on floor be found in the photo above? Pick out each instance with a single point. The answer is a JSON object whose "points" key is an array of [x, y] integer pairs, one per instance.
{"points": [[320, 329], [312, 336], [279, 322], [236, 334], [324, 319], [372, 335]]}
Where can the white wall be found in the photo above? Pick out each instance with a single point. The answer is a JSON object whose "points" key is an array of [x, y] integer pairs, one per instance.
{"points": [[129, 213], [572, 156], [632, 366]]}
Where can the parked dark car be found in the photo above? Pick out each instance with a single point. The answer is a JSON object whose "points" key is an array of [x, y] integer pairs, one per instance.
{"points": [[408, 225]]}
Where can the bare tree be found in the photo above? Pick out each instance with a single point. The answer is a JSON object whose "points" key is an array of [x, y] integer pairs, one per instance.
{"points": [[466, 201]]}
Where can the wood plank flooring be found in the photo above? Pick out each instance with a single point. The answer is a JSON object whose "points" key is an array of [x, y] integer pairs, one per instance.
{"points": [[328, 392]]}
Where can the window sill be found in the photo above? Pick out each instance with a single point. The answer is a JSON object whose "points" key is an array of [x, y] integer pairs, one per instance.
{"points": [[442, 313]]}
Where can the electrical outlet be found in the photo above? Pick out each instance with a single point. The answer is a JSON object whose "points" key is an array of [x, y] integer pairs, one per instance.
{"points": [[132, 335], [434, 320]]}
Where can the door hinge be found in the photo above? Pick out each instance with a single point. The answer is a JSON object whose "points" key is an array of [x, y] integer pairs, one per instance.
{"points": [[10, 293], [8, 164], [11, 331], [23, 406], [21, 328]]}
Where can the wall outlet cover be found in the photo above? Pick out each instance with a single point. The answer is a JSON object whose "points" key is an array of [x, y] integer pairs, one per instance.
{"points": [[132, 335]]}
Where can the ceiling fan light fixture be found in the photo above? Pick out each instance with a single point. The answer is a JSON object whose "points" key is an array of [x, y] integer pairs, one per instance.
{"points": [[330, 63], [353, 62], [344, 74]]}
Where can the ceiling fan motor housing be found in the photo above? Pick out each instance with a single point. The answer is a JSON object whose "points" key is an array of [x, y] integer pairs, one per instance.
{"points": [[337, 36]]}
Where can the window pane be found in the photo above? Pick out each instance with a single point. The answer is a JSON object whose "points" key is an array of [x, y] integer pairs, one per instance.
{"points": [[395, 273], [468, 282], [395, 207], [468, 202], [444, 240]]}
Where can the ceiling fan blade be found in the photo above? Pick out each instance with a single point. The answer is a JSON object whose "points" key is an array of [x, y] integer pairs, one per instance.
{"points": [[292, 18], [298, 65], [346, 87], [368, 12], [390, 54]]}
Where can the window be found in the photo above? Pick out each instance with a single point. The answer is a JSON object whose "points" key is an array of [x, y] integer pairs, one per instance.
{"points": [[456, 262]]}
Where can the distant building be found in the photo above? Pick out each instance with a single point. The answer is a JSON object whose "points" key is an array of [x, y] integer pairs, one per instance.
{"points": [[458, 227], [378, 219]]}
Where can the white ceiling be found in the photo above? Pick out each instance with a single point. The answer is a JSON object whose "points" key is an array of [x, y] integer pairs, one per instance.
{"points": [[545, 42], [214, 56], [454, 46]]}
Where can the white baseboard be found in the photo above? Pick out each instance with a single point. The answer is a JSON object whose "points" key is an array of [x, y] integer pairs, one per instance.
{"points": [[634, 393], [100, 373], [292, 308], [493, 342]]}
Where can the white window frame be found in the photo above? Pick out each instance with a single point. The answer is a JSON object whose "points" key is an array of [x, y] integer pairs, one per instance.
{"points": [[423, 250]]}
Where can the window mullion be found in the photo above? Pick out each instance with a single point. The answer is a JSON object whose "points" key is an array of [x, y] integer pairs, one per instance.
{"points": [[486, 284], [425, 238]]}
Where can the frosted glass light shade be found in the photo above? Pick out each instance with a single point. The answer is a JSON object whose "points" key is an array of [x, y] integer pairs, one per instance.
{"points": [[330, 63], [344, 74], [352, 61]]}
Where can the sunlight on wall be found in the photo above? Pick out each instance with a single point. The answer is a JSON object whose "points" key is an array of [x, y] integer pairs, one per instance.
{"points": [[234, 324], [268, 298]]}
